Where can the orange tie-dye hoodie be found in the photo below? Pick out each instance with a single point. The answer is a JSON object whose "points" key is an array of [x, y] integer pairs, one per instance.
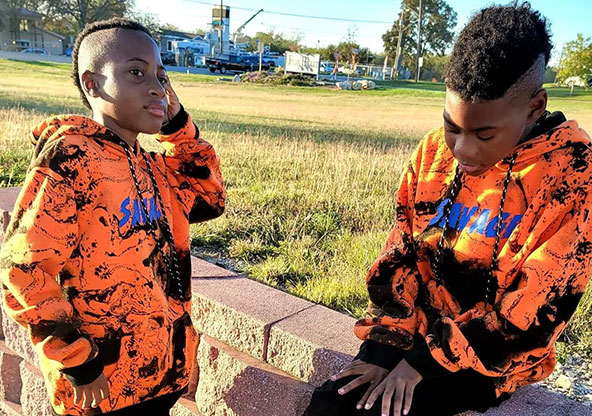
{"points": [[543, 261], [87, 266]]}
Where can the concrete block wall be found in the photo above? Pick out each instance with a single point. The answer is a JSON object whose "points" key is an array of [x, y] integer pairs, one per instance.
{"points": [[261, 352]]}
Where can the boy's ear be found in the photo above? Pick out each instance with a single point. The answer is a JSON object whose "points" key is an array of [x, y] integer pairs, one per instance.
{"points": [[90, 83], [537, 105]]}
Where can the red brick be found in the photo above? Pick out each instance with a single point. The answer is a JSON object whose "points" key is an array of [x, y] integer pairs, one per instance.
{"points": [[8, 198], [10, 375]]}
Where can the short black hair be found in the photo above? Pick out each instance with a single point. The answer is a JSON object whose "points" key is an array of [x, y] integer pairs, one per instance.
{"points": [[98, 47], [496, 49]]}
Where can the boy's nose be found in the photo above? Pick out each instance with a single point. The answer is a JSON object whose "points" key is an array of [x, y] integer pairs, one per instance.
{"points": [[157, 89], [465, 150]]}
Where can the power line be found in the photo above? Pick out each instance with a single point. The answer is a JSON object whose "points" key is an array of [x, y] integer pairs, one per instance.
{"points": [[337, 19]]}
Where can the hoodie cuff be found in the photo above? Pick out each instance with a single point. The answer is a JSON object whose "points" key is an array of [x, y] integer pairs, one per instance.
{"points": [[382, 355], [176, 123], [420, 358], [85, 373]]}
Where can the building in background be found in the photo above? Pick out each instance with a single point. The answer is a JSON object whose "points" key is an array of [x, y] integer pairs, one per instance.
{"points": [[21, 29]]}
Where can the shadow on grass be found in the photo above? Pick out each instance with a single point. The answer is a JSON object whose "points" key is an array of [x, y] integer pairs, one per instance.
{"points": [[260, 126], [68, 106], [553, 91], [565, 93], [232, 124], [422, 86], [39, 63]]}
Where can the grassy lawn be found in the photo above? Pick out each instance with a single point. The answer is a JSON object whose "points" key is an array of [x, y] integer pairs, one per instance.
{"points": [[311, 173]]}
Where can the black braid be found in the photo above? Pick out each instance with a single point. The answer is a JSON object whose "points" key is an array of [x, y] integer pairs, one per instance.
{"points": [[167, 231], [452, 195], [488, 298]]}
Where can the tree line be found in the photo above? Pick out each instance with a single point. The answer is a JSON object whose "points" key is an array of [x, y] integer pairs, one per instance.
{"points": [[438, 18]]}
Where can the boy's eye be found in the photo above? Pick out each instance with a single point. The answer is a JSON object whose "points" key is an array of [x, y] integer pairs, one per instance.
{"points": [[137, 72], [484, 137], [163, 80], [450, 129]]}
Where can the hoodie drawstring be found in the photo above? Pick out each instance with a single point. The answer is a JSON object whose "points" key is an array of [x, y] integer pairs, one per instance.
{"points": [[454, 191]]}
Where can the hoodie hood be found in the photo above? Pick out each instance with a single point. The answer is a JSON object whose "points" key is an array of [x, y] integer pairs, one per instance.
{"points": [[59, 127], [551, 132]]}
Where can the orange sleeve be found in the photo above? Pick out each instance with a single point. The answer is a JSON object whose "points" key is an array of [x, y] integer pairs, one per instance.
{"points": [[192, 169], [533, 311], [393, 278], [39, 241]]}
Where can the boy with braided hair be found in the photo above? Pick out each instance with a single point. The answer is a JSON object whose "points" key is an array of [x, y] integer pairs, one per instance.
{"points": [[490, 253], [96, 260]]}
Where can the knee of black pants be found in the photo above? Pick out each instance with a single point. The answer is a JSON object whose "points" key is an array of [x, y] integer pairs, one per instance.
{"points": [[326, 400]]}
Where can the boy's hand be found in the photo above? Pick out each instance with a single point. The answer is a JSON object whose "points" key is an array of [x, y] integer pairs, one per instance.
{"points": [[369, 373], [174, 106], [91, 395], [401, 382]]}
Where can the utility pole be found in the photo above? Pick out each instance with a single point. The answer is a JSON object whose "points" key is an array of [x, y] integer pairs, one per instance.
{"points": [[399, 39], [221, 25], [419, 23]]}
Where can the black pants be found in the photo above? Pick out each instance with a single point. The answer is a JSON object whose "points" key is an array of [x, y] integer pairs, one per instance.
{"points": [[444, 395]]}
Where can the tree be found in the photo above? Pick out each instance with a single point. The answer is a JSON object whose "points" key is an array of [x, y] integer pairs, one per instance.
{"points": [[438, 23], [277, 42], [577, 60], [82, 12], [149, 20], [434, 67]]}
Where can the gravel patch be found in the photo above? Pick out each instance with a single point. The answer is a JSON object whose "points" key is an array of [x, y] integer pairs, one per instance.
{"points": [[572, 378]]}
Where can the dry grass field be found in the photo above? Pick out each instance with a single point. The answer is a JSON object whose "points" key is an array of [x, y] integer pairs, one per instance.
{"points": [[311, 173]]}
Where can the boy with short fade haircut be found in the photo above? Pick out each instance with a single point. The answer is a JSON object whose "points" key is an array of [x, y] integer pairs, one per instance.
{"points": [[490, 253], [96, 260]]}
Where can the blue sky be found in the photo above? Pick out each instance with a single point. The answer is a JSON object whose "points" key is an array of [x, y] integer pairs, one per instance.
{"points": [[567, 17]]}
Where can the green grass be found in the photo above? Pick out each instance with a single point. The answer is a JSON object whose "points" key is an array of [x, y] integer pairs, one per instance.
{"points": [[311, 172]]}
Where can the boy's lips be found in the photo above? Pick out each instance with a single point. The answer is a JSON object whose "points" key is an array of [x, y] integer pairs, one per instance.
{"points": [[470, 169], [156, 109]]}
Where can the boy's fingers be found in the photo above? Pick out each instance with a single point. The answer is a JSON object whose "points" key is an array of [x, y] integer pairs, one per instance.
{"points": [[398, 403], [387, 398], [351, 371], [104, 392], [87, 398], [95, 394], [99, 396], [374, 395], [364, 398], [352, 385], [77, 396], [408, 398]]}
